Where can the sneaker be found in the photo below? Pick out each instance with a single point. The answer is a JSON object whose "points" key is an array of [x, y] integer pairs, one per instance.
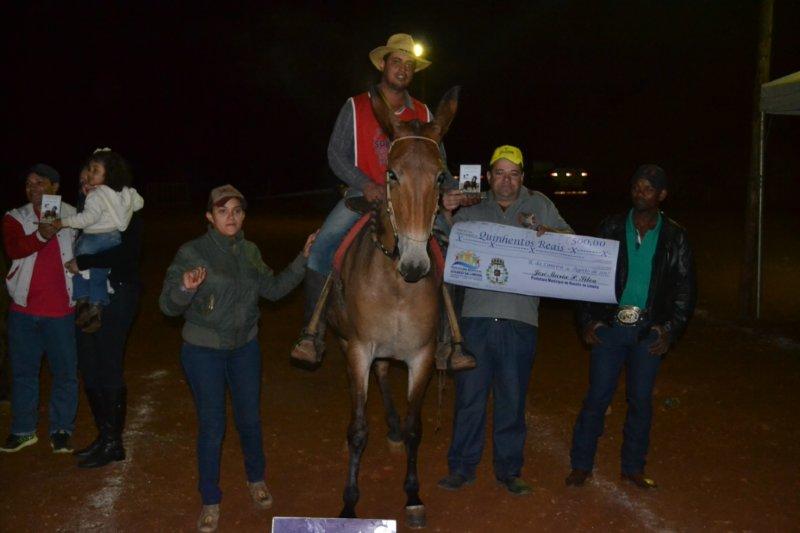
{"points": [[516, 486], [455, 482], [209, 519], [260, 494], [15, 443], [60, 442]]}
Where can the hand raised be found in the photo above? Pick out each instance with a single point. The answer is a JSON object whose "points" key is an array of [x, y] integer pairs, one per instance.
{"points": [[194, 278]]}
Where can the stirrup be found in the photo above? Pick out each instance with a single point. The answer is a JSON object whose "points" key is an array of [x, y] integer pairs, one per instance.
{"points": [[307, 349], [460, 359]]}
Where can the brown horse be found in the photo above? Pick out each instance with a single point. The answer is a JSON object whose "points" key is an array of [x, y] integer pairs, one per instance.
{"points": [[385, 304]]}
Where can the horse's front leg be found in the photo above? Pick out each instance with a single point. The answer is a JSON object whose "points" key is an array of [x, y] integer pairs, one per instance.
{"points": [[395, 434], [358, 365], [419, 373]]}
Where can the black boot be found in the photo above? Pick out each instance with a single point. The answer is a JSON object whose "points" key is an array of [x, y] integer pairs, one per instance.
{"points": [[309, 347], [111, 448], [97, 404]]}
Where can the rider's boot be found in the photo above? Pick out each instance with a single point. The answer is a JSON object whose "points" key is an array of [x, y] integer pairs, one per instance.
{"points": [[311, 345]]}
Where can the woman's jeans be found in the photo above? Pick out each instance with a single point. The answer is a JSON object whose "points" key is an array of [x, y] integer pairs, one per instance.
{"points": [[209, 371], [627, 346], [95, 288]]}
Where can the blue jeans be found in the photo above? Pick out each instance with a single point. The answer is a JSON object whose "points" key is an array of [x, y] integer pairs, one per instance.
{"points": [[95, 288], [209, 371], [28, 338], [504, 351], [621, 345], [330, 236]]}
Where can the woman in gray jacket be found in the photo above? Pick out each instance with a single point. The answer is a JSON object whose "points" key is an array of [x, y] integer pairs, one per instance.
{"points": [[215, 282]]}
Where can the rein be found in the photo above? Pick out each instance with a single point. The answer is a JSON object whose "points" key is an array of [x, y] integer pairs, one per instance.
{"points": [[390, 208]]}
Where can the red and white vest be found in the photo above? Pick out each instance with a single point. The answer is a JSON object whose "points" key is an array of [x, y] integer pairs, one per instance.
{"points": [[371, 143]]}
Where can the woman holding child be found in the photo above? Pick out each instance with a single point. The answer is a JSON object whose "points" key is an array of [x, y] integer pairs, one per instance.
{"points": [[101, 347], [215, 282]]}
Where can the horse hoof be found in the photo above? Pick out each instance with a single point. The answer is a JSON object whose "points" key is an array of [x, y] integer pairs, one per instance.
{"points": [[395, 446], [347, 513], [415, 517]]}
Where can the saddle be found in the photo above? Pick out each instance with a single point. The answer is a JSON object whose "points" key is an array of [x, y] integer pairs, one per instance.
{"points": [[360, 205]]}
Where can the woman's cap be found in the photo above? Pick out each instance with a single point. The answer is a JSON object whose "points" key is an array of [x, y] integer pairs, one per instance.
{"points": [[220, 195]]}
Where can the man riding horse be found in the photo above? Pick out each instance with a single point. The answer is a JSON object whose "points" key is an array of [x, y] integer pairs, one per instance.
{"points": [[357, 152]]}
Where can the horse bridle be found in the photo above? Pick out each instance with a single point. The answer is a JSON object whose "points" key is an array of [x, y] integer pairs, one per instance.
{"points": [[390, 207]]}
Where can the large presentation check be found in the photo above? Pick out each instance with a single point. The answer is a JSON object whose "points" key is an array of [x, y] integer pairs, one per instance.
{"points": [[495, 257]]}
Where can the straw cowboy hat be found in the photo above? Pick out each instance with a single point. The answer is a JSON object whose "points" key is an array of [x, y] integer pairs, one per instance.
{"points": [[399, 42]]}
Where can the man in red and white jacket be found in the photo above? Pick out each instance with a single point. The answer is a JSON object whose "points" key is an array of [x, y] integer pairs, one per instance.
{"points": [[41, 316]]}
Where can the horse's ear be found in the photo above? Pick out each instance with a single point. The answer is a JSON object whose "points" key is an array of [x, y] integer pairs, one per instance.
{"points": [[446, 111], [387, 120]]}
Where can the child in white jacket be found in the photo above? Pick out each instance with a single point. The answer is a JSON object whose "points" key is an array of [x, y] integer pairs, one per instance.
{"points": [[109, 205]]}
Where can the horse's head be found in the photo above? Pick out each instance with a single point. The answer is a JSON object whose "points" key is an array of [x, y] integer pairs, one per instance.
{"points": [[414, 176]]}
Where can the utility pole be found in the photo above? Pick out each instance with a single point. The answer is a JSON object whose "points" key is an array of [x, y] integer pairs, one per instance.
{"points": [[750, 285]]}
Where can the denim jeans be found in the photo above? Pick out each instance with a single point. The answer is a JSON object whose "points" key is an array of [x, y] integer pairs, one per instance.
{"points": [[504, 351], [330, 236], [28, 338], [621, 345], [95, 288], [208, 371]]}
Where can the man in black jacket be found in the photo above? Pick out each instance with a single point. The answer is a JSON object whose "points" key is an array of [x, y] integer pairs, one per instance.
{"points": [[655, 287]]}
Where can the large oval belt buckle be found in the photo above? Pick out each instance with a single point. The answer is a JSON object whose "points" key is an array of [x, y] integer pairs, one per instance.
{"points": [[628, 315]]}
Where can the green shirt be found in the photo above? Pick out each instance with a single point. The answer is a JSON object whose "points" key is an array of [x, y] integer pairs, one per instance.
{"points": [[640, 263]]}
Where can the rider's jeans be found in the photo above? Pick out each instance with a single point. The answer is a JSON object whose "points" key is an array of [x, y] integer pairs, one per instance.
{"points": [[336, 226]]}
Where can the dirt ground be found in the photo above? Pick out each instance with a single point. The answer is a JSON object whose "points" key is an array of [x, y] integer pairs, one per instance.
{"points": [[725, 440]]}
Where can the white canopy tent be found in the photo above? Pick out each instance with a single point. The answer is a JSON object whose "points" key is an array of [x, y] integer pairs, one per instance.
{"points": [[778, 97], [781, 96]]}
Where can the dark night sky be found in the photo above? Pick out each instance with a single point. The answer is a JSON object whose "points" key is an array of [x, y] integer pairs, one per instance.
{"points": [[249, 95]]}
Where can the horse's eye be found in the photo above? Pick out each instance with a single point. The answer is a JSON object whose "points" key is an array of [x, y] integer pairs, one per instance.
{"points": [[440, 178], [391, 176]]}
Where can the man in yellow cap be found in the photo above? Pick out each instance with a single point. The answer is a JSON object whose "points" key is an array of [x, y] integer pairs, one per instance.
{"points": [[357, 153], [500, 329]]}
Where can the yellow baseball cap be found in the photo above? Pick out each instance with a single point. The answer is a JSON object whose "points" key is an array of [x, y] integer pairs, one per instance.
{"points": [[512, 153]]}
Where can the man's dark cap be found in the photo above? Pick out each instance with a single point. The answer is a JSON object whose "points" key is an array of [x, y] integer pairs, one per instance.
{"points": [[45, 171], [652, 173]]}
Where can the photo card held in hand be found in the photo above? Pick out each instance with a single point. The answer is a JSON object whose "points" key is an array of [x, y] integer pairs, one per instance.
{"points": [[469, 179], [51, 207]]}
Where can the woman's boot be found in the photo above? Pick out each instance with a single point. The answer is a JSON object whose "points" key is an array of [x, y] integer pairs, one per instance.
{"points": [[97, 405], [111, 449]]}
